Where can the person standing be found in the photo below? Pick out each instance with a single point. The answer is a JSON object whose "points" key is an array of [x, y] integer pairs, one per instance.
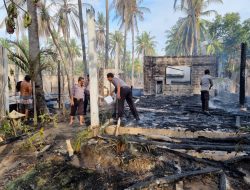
{"points": [[26, 96], [76, 101], [123, 92], [86, 96], [206, 85]]}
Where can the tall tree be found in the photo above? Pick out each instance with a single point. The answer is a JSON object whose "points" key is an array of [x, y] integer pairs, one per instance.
{"points": [[134, 12], [34, 50], [67, 18], [145, 44], [116, 43], [100, 36], [194, 9], [120, 7], [85, 68], [129, 12], [107, 35], [45, 17]]}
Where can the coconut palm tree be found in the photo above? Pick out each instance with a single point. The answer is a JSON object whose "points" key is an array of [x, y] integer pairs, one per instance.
{"points": [[116, 43], [130, 11], [100, 36], [107, 35], [75, 49], [22, 59], [134, 12], [145, 44], [45, 17], [85, 68], [34, 50], [194, 9], [120, 7], [67, 18]]}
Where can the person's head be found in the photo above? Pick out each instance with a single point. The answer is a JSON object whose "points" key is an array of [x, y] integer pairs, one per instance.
{"points": [[81, 81], [207, 72], [27, 78], [110, 76]]}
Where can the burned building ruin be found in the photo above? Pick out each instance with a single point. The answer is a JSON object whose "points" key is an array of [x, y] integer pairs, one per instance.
{"points": [[176, 75]]}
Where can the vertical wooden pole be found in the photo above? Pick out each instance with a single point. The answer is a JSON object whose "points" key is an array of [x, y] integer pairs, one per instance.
{"points": [[242, 74], [92, 55], [59, 84]]}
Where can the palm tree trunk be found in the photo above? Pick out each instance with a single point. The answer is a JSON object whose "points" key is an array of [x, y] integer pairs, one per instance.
{"points": [[4, 90], [117, 59], [34, 49], [195, 50], [93, 65], [17, 70], [125, 47], [85, 67], [133, 54], [107, 35], [71, 60], [55, 41]]}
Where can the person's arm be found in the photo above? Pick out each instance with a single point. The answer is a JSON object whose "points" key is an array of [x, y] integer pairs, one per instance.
{"points": [[211, 83], [118, 91]]}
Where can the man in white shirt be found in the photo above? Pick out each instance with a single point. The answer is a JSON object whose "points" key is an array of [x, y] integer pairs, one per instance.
{"points": [[206, 84]]}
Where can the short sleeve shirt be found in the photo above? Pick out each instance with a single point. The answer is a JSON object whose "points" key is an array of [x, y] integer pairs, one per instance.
{"points": [[78, 91], [116, 80]]}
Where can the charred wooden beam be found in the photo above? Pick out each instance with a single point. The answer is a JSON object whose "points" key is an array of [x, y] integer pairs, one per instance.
{"points": [[242, 74], [173, 178]]}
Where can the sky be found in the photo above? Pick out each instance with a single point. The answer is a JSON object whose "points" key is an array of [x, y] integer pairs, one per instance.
{"points": [[161, 17]]}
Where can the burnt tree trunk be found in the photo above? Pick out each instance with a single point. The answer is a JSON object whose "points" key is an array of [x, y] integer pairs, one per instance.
{"points": [[242, 74]]}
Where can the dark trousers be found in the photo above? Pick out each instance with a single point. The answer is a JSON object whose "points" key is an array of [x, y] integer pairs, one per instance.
{"points": [[77, 107], [205, 100], [126, 94], [86, 102]]}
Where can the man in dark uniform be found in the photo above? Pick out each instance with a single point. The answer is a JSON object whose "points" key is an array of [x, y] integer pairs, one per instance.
{"points": [[123, 92]]}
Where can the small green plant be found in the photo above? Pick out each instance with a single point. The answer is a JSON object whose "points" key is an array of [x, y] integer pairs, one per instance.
{"points": [[36, 141], [5, 128], [46, 119], [82, 139]]}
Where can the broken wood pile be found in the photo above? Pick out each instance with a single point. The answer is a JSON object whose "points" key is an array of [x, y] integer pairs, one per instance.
{"points": [[222, 169]]}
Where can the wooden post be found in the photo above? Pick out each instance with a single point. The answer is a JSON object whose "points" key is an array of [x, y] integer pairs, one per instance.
{"points": [[6, 81], [242, 74], [59, 84], [34, 102], [92, 55], [116, 59]]}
